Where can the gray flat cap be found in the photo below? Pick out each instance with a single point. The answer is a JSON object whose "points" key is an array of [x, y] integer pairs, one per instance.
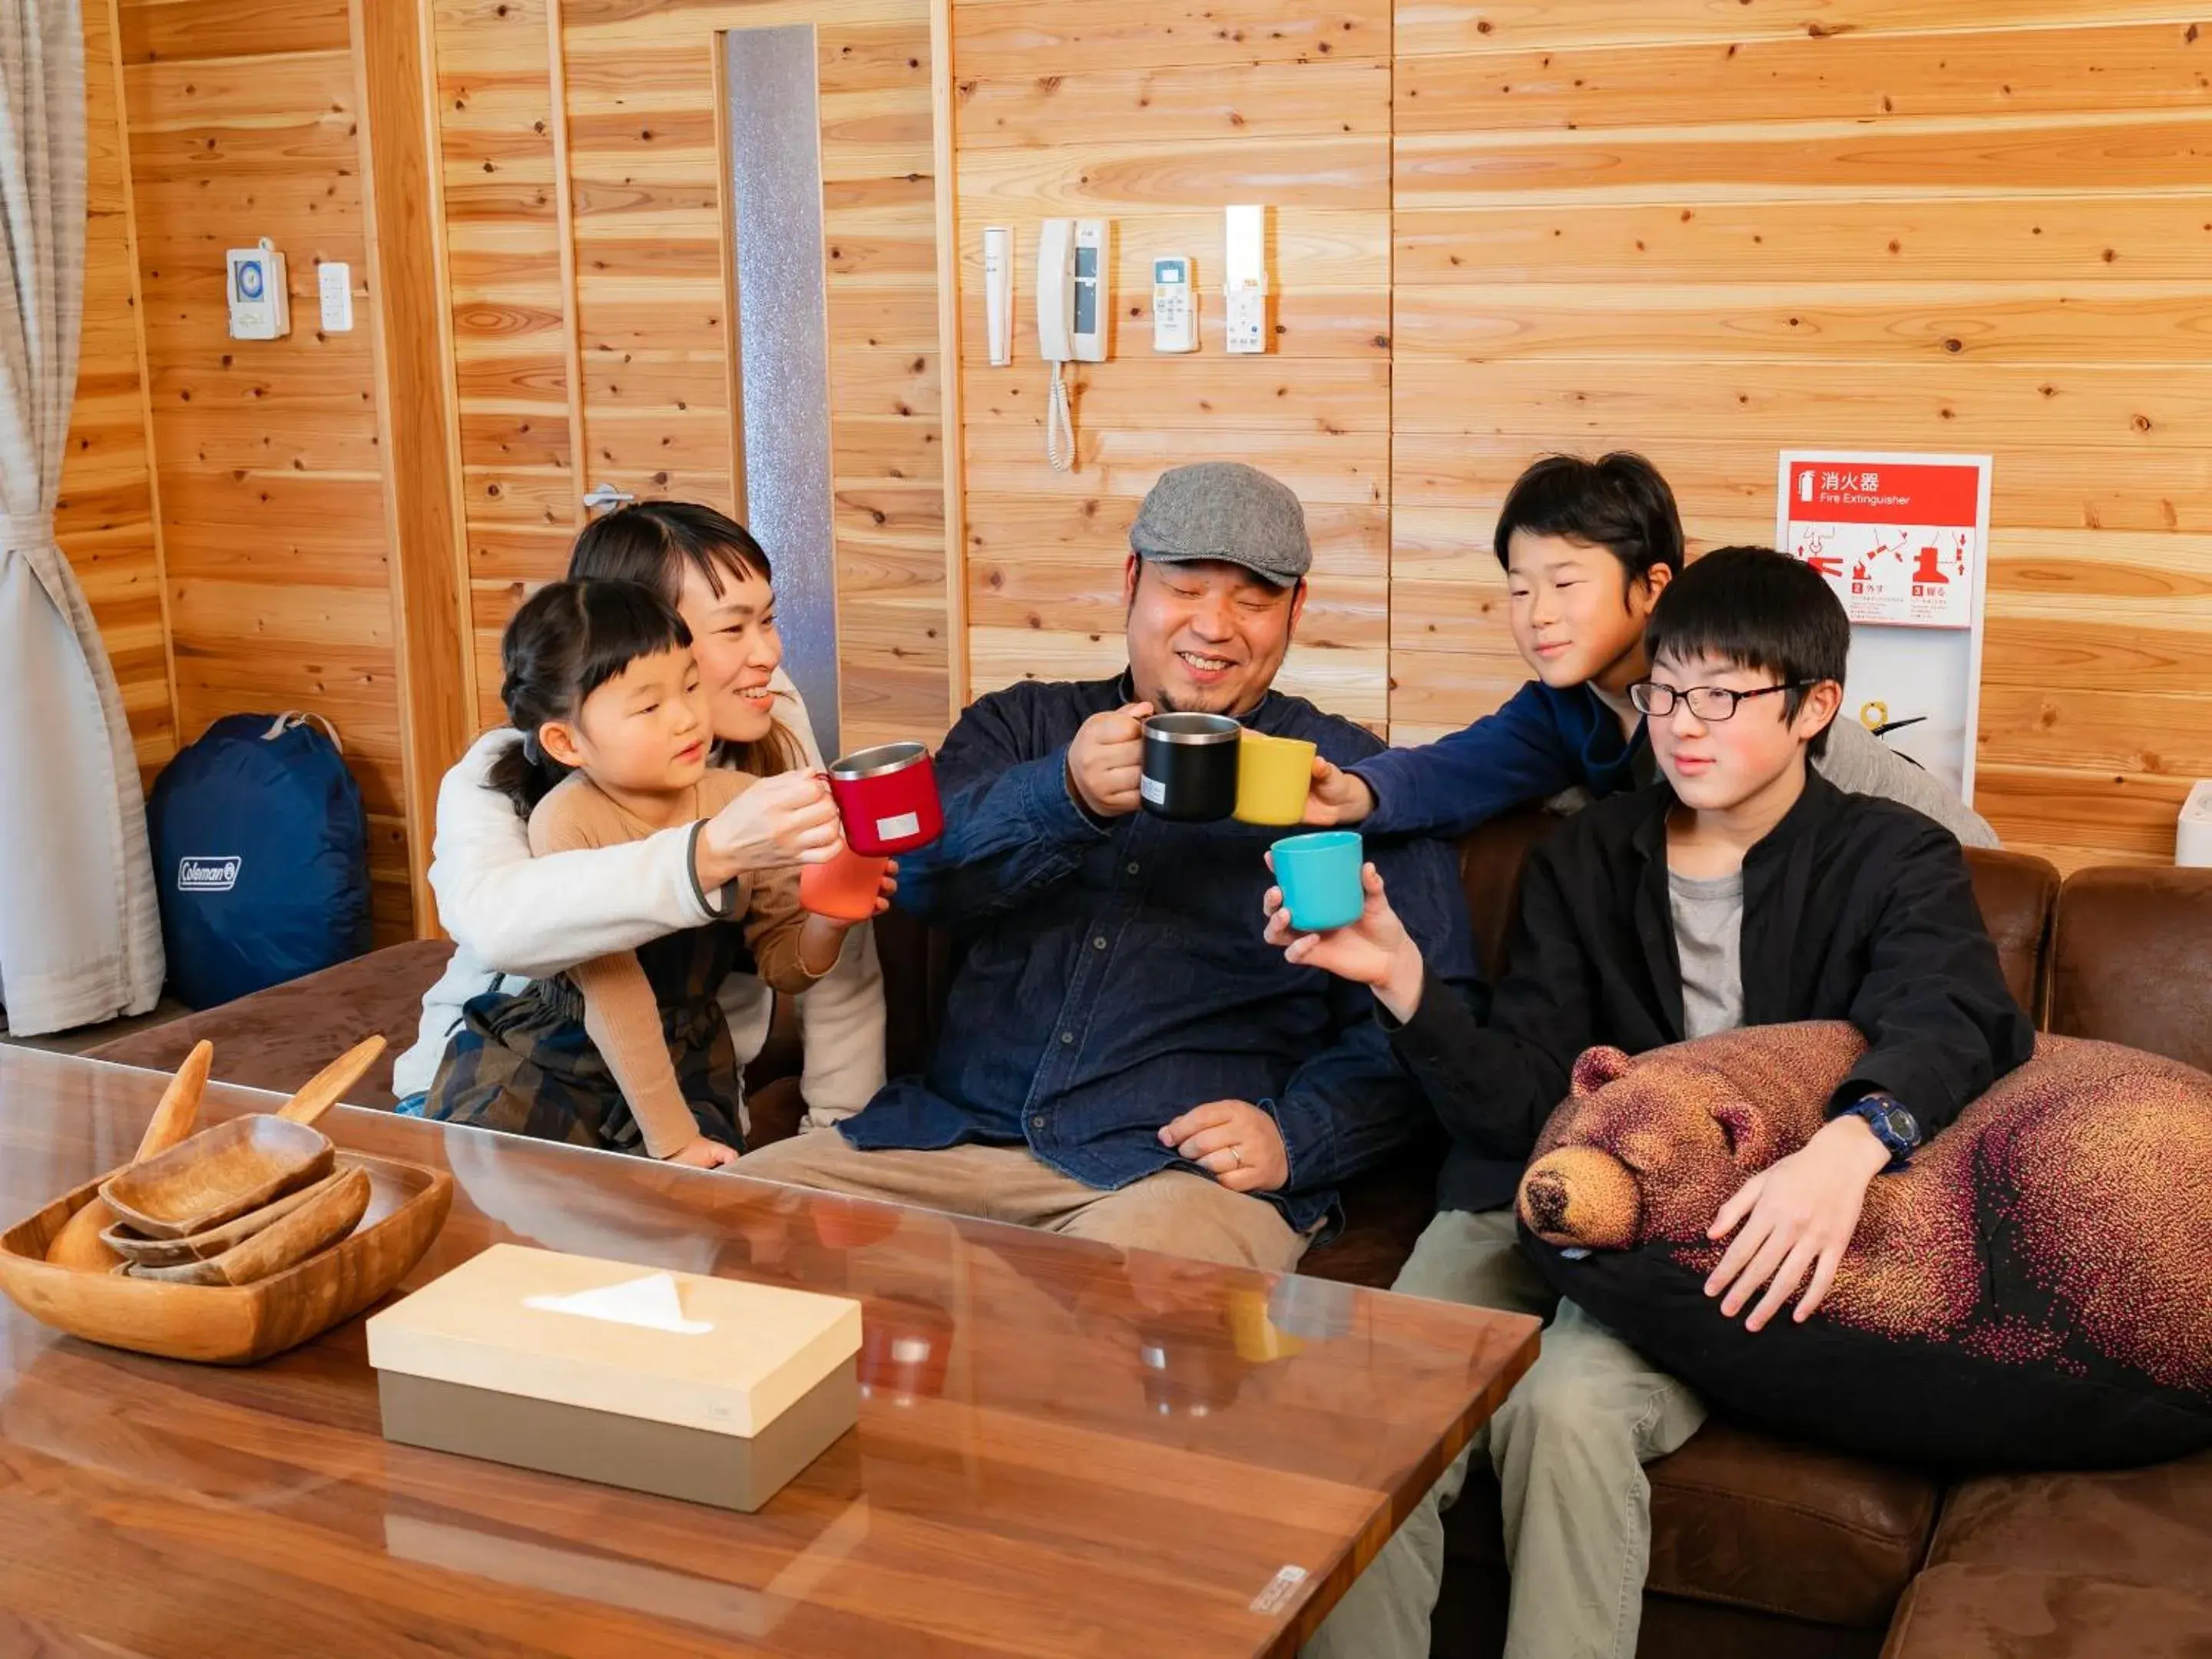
{"points": [[1224, 510]]}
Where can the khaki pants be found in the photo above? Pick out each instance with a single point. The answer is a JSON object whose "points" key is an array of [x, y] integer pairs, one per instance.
{"points": [[1174, 1211], [1569, 1447]]}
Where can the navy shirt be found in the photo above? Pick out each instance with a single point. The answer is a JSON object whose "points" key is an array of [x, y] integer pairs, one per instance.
{"points": [[1114, 974], [1542, 741]]}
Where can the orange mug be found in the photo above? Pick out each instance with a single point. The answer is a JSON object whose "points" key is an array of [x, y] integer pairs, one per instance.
{"points": [[845, 889]]}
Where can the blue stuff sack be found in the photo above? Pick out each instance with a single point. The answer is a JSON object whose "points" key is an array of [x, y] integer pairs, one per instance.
{"points": [[261, 858]]}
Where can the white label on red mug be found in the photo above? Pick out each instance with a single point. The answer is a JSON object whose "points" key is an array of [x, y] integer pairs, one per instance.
{"points": [[906, 823], [1154, 791]]}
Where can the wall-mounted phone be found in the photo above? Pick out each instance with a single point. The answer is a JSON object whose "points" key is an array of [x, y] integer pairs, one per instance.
{"points": [[1073, 311], [1071, 291]]}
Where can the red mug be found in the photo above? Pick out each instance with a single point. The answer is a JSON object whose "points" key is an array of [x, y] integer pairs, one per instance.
{"points": [[887, 797]]}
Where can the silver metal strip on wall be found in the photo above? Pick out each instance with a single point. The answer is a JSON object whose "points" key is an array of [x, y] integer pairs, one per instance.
{"points": [[782, 330]]}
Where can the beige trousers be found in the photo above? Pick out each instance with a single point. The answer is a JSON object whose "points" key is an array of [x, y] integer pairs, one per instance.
{"points": [[1569, 1447], [1174, 1211]]}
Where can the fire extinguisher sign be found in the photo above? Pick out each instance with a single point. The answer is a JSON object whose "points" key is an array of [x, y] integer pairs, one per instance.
{"points": [[1902, 539]]}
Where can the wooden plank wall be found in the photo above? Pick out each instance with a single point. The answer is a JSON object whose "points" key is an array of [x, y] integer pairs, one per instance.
{"points": [[1710, 233], [504, 241], [242, 123], [1158, 114], [590, 315], [1707, 232], [106, 521]]}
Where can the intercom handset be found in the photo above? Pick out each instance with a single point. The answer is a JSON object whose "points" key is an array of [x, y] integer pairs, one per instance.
{"points": [[1073, 316], [1055, 289]]}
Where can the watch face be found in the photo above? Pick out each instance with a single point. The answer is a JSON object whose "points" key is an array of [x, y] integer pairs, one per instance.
{"points": [[1902, 1125]]}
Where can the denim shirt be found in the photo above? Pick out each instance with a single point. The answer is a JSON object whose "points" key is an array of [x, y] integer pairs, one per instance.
{"points": [[1114, 974]]}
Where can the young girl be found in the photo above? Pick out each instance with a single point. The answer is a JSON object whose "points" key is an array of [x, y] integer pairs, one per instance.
{"points": [[629, 1050]]}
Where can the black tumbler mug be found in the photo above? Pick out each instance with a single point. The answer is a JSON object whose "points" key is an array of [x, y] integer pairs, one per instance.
{"points": [[1190, 766]]}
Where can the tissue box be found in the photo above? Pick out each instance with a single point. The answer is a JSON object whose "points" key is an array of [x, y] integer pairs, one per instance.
{"points": [[714, 1391]]}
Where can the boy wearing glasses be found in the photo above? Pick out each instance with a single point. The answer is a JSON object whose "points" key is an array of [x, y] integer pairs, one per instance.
{"points": [[1588, 548], [1739, 889]]}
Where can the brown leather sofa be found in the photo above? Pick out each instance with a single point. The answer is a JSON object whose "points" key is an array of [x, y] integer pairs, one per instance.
{"points": [[1760, 1547]]}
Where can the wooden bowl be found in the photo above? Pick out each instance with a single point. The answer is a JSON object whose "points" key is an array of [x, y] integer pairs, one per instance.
{"points": [[217, 1175], [336, 1207], [232, 1325], [136, 1248]]}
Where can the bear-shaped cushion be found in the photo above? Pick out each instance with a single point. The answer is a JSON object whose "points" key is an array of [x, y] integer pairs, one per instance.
{"points": [[2034, 1291]]}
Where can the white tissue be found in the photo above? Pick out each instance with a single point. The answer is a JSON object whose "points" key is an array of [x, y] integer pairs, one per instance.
{"points": [[651, 1302]]}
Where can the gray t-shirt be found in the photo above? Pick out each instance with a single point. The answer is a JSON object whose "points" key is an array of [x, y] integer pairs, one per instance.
{"points": [[1709, 940], [1860, 764]]}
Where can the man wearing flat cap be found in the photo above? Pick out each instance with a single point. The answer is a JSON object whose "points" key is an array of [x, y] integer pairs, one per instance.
{"points": [[1123, 1057]]}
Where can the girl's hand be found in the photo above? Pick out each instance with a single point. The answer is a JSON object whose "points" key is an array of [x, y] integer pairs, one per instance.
{"points": [[1376, 951], [702, 1152], [823, 937], [790, 818]]}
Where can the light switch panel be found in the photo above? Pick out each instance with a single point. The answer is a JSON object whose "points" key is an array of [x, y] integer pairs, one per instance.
{"points": [[336, 277]]}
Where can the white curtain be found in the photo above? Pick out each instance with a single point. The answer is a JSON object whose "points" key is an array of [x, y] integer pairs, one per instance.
{"points": [[80, 934]]}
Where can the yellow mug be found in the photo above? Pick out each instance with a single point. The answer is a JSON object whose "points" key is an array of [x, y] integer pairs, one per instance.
{"points": [[1273, 776], [1257, 1337]]}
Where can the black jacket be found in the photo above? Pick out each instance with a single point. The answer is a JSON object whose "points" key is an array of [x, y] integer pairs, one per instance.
{"points": [[1854, 908]]}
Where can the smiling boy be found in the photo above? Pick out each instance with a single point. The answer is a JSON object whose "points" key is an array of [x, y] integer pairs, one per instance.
{"points": [[1739, 889], [1588, 547]]}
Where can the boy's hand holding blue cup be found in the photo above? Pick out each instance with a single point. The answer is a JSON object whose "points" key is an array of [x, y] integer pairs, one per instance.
{"points": [[1329, 911]]}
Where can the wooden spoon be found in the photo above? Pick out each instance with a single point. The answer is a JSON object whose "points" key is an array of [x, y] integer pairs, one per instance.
{"points": [[321, 1092], [79, 1243]]}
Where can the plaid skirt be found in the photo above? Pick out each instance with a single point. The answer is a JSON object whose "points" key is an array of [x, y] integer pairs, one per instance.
{"points": [[523, 1063]]}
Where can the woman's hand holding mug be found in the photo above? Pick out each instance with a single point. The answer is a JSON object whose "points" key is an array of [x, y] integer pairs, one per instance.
{"points": [[1376, 951], [786, 819]]}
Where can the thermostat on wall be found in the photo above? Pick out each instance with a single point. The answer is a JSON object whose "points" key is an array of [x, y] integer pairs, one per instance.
{"points": [[1245, 280], [260, 309]]}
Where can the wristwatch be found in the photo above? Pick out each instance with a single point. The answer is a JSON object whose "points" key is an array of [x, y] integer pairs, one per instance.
{"points": [[1892, 1126]]}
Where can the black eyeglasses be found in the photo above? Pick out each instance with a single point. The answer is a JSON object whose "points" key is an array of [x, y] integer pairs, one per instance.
{"points": [[1711, 703]]}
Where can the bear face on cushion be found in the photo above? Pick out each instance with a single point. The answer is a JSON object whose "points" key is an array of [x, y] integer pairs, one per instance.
{"points": [[2055, 1241]]}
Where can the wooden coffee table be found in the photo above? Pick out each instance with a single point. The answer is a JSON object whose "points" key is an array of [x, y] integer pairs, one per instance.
{"points": [[1062, 1450]]}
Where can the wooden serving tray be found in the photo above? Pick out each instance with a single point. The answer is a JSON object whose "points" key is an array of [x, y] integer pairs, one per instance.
{"points": [[228, 1325]]}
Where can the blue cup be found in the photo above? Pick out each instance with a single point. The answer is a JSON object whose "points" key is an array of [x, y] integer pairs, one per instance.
{"points": [[1319, 875]]}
